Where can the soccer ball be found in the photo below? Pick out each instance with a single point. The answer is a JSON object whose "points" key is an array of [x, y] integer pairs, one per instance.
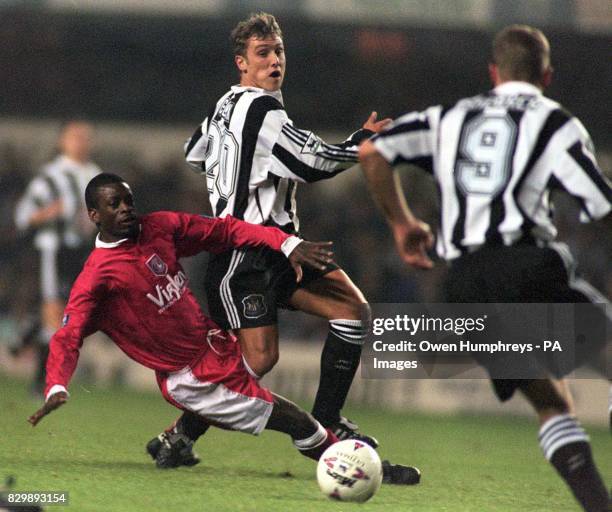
{"points": [[349, 471]]}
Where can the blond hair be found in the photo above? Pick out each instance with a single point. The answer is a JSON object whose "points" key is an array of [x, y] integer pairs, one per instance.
{"points": [[260, 25]]}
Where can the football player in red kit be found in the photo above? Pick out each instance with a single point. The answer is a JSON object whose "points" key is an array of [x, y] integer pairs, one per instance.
{"points": [[133, 288]]}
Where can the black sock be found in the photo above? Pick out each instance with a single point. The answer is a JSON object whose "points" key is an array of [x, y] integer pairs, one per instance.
{"points": [[567, 447], [339, 362], [191, 425]]}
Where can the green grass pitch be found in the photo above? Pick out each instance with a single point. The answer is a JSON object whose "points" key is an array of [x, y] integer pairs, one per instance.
{"points": [[93, 448]]}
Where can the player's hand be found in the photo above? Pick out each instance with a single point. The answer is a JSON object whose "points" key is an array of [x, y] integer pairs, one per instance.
{"points": [[55, 401], [49, 213], [314, 254], [376, 126], [412, 243]]}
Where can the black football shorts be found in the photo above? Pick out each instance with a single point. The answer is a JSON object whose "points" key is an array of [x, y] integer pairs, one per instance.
{"points": [[521, 273], [245, 287]]}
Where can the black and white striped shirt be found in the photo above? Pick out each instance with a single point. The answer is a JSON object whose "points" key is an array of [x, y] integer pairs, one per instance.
{"points": [[253, 156], [61, 179], [495, 158]]}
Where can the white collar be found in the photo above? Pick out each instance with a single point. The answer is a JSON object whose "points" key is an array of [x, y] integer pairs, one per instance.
{"points": [[516, 87], [108, 245], [275, 94]]}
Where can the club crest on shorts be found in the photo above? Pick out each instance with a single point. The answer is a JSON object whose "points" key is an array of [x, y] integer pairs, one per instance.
{"points": [[157, 265], [254, 306]]}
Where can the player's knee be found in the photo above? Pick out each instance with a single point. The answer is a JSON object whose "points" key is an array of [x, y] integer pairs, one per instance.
{"points": [[261, 362], [354, 324], [355, 308], [268, 362], [365, 313]]}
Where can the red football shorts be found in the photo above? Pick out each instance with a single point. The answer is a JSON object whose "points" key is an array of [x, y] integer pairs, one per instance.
{"points": [[219, 388]]}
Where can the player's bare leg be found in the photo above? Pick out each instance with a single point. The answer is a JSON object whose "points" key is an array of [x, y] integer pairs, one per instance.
{"points": [[564, 390], [565, 444], [308, 435], [259, 347]]}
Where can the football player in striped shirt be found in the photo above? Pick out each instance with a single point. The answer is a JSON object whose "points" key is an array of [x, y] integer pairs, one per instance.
{"points": [[52, 209], [253, 157], [495, 158]]}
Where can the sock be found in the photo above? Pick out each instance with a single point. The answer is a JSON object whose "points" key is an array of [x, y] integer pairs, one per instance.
{"points": [[566, 446], [314, 446], [339, 362], [189, 424]]}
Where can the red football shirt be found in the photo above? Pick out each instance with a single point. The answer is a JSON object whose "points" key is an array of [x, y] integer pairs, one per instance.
{"points": [[135, 291]]}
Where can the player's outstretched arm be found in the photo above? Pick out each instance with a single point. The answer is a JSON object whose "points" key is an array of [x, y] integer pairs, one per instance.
{"points": [[314, 254], [412, 236], [303, 156], [56, 400], [196, 233], [64, 347]]}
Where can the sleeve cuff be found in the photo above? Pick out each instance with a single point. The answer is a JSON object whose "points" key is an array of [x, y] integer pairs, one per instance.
{"points": [[359, 136], [291, 243], [57, 388]]}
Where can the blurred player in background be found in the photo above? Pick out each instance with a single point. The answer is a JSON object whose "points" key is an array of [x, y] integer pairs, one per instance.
{"points": [[134, 289], [253, 157], [495, 158], [52, 209]]}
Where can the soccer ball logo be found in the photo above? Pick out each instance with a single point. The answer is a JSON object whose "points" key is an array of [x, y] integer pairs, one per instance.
{"points": [[349, 471]]}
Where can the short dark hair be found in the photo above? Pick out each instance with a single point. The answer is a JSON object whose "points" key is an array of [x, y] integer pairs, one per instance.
{"points": [[522, 53], [101, 180], [261, 25]]}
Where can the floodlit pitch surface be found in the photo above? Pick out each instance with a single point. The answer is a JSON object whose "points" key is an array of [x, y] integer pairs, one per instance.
{"points": [[93, 448]]}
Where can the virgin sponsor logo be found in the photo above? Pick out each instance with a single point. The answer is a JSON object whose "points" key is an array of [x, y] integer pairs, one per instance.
{"points": [[167, 295]]}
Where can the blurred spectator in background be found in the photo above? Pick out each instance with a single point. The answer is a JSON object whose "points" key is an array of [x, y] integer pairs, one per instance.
{"points": [[52, 210]]}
